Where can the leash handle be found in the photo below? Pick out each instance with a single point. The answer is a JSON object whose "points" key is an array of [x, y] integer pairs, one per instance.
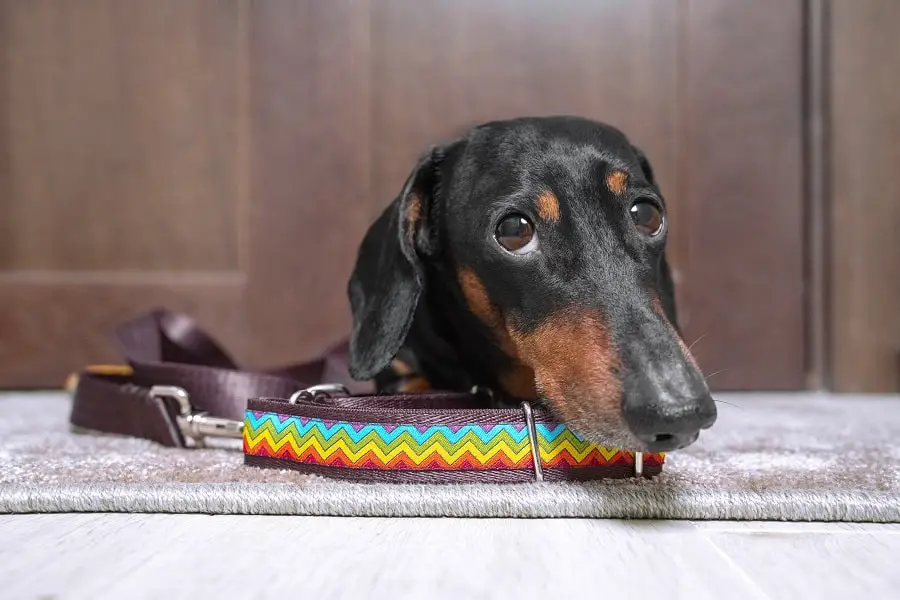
{"points": [[165, 352]]}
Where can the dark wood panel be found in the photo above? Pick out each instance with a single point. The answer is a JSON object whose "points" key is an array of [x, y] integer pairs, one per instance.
{"points": [[121, 134], [50, 328], [122, 157], [864, 182], [5, 158], [817, 206], [310, 194], [742, 165]]}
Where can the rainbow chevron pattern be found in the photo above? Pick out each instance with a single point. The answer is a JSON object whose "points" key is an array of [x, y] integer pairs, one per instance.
{"points": [[434, 447]]}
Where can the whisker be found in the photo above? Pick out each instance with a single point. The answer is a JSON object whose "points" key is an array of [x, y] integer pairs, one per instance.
{"points": [[691, 347], [707, 377], [729, 403]]}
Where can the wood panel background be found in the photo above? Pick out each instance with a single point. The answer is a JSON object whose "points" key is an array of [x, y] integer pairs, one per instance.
{"points": [[310, 170], [864, 181], [224, 157], [122, 181], [742, 167]]}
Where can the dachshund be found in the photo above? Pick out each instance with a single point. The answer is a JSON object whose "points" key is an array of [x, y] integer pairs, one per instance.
{"points": [[528, 257]]}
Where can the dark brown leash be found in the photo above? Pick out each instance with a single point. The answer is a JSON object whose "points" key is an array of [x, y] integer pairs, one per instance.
{"points": [[180, 388]]}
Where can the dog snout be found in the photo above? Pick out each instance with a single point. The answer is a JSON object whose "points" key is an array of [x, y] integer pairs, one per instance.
{"points": [[666, 402]]}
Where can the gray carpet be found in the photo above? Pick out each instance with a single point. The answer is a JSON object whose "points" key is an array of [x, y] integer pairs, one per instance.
{"points": [[770, 457]]}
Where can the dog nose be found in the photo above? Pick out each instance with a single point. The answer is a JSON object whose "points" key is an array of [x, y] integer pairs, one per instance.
{"points": [[667, 424]]}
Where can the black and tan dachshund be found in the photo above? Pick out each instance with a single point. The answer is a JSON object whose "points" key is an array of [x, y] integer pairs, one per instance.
{"points": [[528, 258]]}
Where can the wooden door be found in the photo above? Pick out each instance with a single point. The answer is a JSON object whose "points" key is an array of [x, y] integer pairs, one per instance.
{"points": [[863, 93], [225, 157], [123, 183]]}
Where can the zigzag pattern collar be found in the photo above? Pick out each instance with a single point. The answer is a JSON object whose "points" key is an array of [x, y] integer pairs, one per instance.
{"points": [[382, 442]]}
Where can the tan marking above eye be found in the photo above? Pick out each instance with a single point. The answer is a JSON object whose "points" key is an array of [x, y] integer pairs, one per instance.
{"points": [[548, 207], [616, 181]]}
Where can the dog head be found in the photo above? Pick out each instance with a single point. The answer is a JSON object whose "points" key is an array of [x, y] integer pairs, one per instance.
{"points": [[537, 246]]}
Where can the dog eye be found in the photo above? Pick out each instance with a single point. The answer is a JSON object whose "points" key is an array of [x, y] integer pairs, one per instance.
{"points": [[647, 218], [516, 234]]}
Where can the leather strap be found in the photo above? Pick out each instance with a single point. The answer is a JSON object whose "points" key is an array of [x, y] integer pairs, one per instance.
{"points": [[166, 348], [423, 437]]}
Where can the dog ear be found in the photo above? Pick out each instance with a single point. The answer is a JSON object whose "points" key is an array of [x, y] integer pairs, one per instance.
{"points": [[388, 278]]}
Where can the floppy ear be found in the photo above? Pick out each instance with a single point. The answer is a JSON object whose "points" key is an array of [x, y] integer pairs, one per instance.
{"points": [[666, 283], [388, 278]]}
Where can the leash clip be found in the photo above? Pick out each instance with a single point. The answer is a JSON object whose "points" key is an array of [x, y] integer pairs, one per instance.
{"points": [[196, 426]]}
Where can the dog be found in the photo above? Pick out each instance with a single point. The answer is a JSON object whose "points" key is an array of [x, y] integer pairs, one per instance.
{"points": [[527, 257]]}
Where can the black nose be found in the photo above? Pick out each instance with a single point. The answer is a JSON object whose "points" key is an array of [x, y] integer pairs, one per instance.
{"points": [[667, 424]]}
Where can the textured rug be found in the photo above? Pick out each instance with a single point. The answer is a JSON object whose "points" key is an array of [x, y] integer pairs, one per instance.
{"points": [[769, 457]]}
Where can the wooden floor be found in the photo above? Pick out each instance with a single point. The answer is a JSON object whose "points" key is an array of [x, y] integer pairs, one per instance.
{"points": [[197, 556]]}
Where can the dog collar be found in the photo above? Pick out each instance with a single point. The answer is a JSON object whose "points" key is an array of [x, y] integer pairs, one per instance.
{"points": [[406, 439]]}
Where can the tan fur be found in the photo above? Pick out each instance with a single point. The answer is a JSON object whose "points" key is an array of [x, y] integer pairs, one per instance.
{"points": [[548, 207], [569, 359], [519, 382], [413, 216], [401, 368], [575, 366], [482, 307], [414, 384], [519, 379], [616, 181]]}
